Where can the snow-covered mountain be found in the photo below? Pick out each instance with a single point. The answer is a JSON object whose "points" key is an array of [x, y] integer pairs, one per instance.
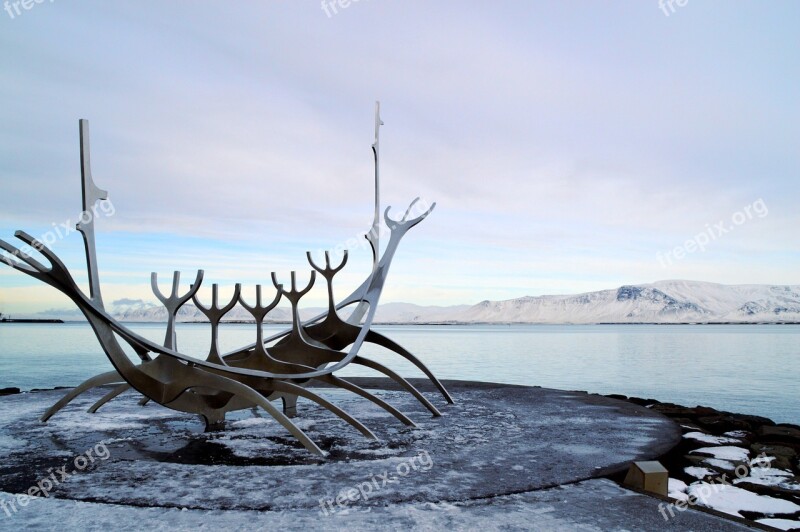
{"points": [[138, 310], [147, 311], [660, 302], [410, 313]]}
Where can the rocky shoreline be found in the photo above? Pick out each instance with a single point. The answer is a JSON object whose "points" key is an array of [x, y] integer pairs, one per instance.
{"points": [[744, 453]]}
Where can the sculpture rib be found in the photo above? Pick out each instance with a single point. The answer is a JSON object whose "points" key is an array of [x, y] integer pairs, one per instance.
{"points": [[117, 390], [109, 377], [399, 380], [349, 386], [249, 394], [336, 333], [303, 392], [190, 377], [204, 379], [383, 341]]}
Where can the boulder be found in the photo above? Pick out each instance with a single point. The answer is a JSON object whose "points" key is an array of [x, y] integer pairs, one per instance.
{"points": [[787, 434], [671, 410], [641, 402], [695, 459], [721, 423], [772, 491], [617, 396], [785, 457], [755, 421]]}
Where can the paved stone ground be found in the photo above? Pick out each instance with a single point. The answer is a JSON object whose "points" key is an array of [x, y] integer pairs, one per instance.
{"points": [[592, 505], [490, 459]]}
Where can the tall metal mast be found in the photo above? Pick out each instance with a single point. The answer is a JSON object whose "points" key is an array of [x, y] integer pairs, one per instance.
{"points": [[91, 195], [374, 234]]}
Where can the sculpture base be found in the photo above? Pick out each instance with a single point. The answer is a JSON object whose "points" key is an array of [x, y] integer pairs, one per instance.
{"points": [[497, 439]]}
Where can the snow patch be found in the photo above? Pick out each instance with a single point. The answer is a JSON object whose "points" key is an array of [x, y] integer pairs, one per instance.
{"points": [[699, 472], [708, 438], [782, 524], [9, 444], [720, 464], [726, 452], [770, 477], [732, 500], [736, 434], [677, 489]]}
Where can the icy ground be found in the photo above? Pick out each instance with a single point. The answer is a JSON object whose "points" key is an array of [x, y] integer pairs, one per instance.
{"points": [[591, 506], [155, 467]]}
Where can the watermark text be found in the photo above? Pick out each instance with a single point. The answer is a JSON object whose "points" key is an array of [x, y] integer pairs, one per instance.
{"points": [[366, 489]]}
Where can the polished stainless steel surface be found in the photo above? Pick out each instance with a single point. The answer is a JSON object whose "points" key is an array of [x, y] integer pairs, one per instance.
{"points": [[272, 368]]}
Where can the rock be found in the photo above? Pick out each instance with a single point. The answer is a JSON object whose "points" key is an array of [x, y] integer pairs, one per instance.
{"points": [[672, 410], [755, 421], [669, 411], [785, 457], [760, 435], [617, 396], [721, 423], [723, 467], [695, 459], [746, 436], [687, 424], [772, 491], [705, 411], [778, 434], [641, 402], [774, 450], [9, 391]]}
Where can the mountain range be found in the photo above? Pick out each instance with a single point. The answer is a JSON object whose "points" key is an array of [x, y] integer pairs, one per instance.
{"points": [[659, 302]]}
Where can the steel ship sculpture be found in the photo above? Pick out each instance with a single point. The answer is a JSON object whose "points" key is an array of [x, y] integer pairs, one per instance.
{"points": [[279, 367]]}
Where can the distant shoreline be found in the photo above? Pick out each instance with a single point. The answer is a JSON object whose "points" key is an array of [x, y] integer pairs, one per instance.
{"points": [[32, 320], [436, 323]]}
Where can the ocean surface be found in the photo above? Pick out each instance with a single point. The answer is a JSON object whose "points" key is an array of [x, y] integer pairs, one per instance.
{"points": [[753, 369]]}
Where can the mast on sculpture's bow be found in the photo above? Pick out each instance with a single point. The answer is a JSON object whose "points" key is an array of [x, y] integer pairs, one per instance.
{"points": [[91, 195], [374, 234], [373, 237]]}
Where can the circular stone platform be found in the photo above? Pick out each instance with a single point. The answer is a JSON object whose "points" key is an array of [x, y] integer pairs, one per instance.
{"points": [[497, 439]]}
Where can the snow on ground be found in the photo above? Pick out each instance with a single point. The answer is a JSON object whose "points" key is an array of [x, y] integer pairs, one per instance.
{"points": [[762, 461], [770, 477], [732, 500], [9, 444], [720, 464], [736, 434], [708, 438], [699, 472], [782, 524], [677, 489], [725, 452]]}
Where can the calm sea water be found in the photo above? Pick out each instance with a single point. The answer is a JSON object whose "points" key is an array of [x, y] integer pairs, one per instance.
{"points": [[751, 369]]}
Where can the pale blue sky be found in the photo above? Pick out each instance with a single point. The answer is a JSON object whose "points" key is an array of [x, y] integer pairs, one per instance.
{"points": [[566, 143]]}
